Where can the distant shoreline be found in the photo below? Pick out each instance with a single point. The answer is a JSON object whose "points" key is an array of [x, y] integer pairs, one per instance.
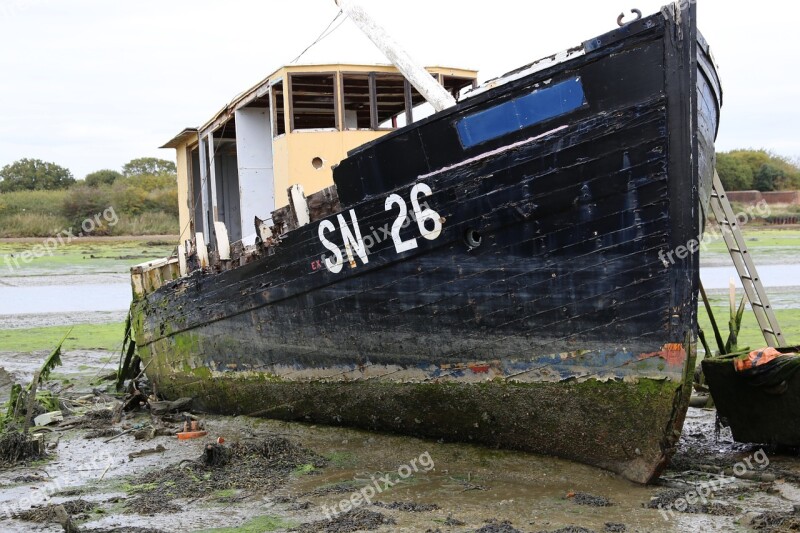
{"points": [[107, 238], [173, 238]]}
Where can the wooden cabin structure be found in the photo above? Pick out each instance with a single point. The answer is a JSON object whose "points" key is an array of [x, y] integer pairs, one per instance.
{"points": [[290, 129]]}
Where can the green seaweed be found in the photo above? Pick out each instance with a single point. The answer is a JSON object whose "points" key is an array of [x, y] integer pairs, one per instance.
{"points": [[52, 361], [341, 459], [304, 469], [259, 524], [225, 493]]}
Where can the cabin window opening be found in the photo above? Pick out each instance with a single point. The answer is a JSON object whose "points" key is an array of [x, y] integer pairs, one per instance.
{"points": [[313, 101], [357, 99], [420, 108], [390, 100], [278, 114], [457, 86], [513, 115]]}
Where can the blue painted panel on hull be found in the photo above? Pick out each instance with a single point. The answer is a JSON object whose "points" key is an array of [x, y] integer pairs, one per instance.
{"points": [[521, 112]]}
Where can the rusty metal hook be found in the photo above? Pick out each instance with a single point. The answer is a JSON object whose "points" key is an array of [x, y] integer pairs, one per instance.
{"points": [[636, 12]]}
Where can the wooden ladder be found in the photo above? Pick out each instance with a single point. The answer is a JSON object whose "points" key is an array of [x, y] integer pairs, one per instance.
{"points": [[734, 240]]}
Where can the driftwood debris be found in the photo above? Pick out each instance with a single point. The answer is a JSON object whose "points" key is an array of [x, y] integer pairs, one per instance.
{"points": [[165, 407], [16, 447], [31, 401], [141, 453]]}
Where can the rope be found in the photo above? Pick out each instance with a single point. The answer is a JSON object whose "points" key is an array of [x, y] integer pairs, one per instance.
{"points": [[322, 35]]}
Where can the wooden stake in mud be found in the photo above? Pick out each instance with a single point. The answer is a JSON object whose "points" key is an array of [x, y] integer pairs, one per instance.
{"points": [[31, 402]]}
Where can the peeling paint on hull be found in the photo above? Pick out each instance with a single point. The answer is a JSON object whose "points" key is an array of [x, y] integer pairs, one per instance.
{"points": [[560, 330]]}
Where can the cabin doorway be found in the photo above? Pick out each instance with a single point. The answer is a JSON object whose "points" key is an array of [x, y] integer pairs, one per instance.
{"points": [[196, 198], [228, 197]]}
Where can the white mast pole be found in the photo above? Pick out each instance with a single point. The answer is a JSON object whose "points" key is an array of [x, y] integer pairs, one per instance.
{"points": [[421, 79]]}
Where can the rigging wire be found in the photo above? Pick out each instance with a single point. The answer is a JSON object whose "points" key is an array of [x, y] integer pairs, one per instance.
{"points": [[325, 33]]}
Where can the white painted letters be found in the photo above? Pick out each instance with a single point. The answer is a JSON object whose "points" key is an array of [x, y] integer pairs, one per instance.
{"points": [[334, 266], [422, 215], [399, 244], [353, 241]]}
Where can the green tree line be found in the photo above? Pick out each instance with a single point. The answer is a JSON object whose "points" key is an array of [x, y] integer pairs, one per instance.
{"points": [[761, 170], [38, 198]]}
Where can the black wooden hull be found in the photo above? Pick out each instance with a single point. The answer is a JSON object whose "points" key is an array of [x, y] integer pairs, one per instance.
{"points": [[532, 303]]}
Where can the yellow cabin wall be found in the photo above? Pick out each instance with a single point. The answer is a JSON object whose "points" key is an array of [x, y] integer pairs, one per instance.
{"points": [[330, 146]]}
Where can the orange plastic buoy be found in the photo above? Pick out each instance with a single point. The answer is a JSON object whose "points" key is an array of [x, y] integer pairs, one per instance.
{"points": [[184, 435]]}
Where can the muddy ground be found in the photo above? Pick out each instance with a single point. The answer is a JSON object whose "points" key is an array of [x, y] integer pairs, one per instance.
{"points": [[277, 476]]}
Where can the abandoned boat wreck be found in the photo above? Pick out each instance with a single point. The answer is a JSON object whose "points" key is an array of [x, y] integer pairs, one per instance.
{"points": [[493, 270]]}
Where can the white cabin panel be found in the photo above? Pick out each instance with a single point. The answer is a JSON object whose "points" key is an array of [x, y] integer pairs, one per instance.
{"points": [[256, 174]]}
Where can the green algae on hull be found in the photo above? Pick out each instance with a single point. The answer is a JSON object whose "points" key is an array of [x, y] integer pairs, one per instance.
{"points": [[629, 426], [626, 427]]}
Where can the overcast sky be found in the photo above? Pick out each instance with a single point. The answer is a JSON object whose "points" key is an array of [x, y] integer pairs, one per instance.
{"points": [[91, 84]]}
